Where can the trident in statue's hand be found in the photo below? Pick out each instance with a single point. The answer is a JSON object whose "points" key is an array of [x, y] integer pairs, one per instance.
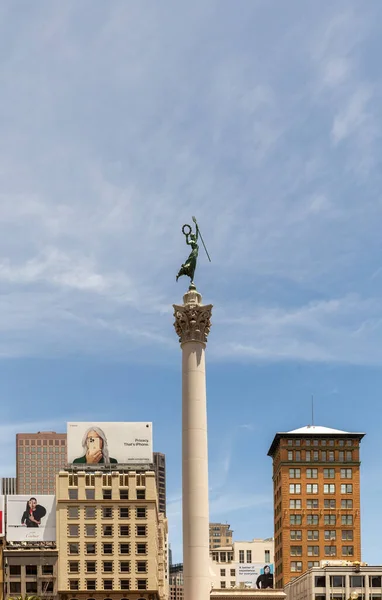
{"points": [[200, 235]]}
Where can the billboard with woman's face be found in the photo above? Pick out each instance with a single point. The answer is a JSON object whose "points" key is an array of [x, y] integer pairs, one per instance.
{"points": [[105, 444], [31, 518]]}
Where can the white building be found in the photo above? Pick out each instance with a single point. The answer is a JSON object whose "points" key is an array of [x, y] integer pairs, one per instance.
{"points": [[241, 563]]}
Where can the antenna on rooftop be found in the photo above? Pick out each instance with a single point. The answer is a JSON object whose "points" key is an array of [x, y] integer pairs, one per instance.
{"points": [[312, 410]]}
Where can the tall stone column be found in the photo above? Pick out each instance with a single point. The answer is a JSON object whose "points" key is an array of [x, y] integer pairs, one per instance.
{"points": [[192, 324]]}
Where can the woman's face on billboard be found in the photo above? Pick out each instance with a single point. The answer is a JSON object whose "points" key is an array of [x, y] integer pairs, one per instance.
{"points": [[32, 503]]}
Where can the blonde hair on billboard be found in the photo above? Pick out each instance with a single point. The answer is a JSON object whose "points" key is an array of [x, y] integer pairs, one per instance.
{"points": [[105, 449]]}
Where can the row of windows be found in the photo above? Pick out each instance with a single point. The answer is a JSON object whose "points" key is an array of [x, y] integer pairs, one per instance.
{"points": [[107, 494], [30, 570], [329, 534], [328, 488], [313, 519], [248, 555], [356, 581], [107, 530], [323, 442], [314, 503], [313, 473], [322, 455], [232, 572], [107, 512], [328, 550], [107, 548], [140, 480], [108, 584], [223, 584], [107, 566], [42, 443]]}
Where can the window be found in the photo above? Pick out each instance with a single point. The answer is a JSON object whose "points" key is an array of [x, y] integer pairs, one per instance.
{"points": [[124, 530], [347, 535], [312, 488], [346, 503], [323, 442], [107, 512], [312, 503], [290, 454], [294, 520], [294, 473], [313, 534], [315, 455], [267, 556], [222, 572], [297, 455], [141, 566], [74, 530], [330, 551], [347, 520], [307, 455], [290, 442], [346, 488], [297, 442], [142, 584], [233, 573], [331, 456], [323, 455], [124, 584], [375, 581], [107, 548], [319, 581], [349, 456], [89, 494], [73, 584], [346, 473], [295, 534], [357, 581], [91, 584], [295, 488], [47, 569], [31, 587], [106, 494], [313, 550], [73, 494], [314, 563], [312, 519], [107, 566], [329, 519], [329, 488], [241, 556], [107, 530], [15, 587], [90, 512], [90, 530], [124, 566], [329, 473], [90, 566], [73, 548], [141, 530], [307, 442], [337, 581], [330, 534], [124, 494], [296, 566], [294, 503], [312, 473], [90, 548], [140, 512], [329, 503], [296, 550], [73, 566], [73, 512], [107, 584], [341, 456], [141, 494], [30, 570], [249, 556], [124, 512], [347, 550], [124, 548]]}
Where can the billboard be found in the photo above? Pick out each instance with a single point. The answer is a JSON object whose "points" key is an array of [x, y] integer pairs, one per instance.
{"points": [[254, 575], [1, 516], [31, 518], [109, 443]]}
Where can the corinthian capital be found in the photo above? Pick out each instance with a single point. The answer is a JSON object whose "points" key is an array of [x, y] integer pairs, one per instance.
{"points": [[192, 318]]}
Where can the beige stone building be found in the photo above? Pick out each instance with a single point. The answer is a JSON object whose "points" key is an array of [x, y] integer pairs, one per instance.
{"points": [[337, 582], [30, 570], [112, 539], [220, 535]]}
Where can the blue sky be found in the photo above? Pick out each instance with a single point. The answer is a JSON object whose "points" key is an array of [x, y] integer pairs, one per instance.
{"points": [[118, 121]]}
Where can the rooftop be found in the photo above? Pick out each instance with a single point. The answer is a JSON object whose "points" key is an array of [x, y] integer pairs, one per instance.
{"points": [[312, 430]]}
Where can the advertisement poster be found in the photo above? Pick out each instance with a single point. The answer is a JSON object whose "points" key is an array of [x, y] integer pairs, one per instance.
{"points": [[31, 518], [109, 443], [254, 575], [1, 516]]}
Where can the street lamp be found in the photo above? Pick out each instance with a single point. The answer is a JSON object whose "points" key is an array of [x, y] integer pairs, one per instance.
{"points": [[354, 595]]}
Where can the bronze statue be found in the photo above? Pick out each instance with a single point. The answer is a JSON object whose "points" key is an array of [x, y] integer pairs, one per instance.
{"points": [[189, 266]]}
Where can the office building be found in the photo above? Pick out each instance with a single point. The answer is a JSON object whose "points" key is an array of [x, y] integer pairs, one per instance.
{"points": [[8, 486], [337, 582], [316, 485], [160, 478], [220, 535], [176, 582], [39, 457], [111, 535], [30, 571]]}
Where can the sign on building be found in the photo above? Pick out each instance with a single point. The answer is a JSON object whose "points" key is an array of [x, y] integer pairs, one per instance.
{"points": [[31, 518], [254, 575]]}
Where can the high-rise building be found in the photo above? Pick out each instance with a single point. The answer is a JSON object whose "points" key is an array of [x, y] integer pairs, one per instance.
{"points": [[8, 486], [176, 582], [111, 535], [220, 535], [39, 457], [160, 478], [316, 486]]}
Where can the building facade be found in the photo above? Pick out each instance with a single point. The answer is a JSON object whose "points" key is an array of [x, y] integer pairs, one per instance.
{"points": [[8, 486], [176, 582], [220, 535], [337, 582], [316, 486], [112, 538], [39, 457], [30, 571], [160, 478]]}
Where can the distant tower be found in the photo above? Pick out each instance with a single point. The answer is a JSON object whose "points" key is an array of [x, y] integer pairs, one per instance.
{"points": [[39, 457], [160, 477], [316, 486]]}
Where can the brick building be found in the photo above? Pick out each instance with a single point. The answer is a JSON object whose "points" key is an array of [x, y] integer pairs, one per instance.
{"points": [[316, 484]]}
